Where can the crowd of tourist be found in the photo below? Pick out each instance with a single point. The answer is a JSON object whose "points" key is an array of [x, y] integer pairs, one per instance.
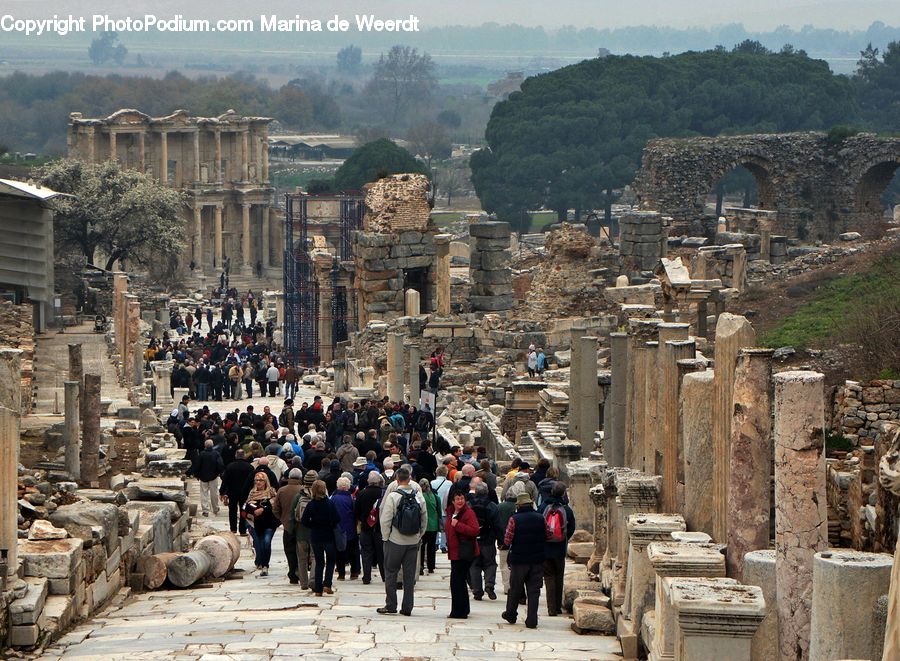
{"points": [[364, 490]]}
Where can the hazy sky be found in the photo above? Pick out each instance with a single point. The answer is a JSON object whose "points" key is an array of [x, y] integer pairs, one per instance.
{"points": [[754, 14]]}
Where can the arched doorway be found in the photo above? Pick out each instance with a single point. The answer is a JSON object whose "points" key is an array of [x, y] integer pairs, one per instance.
{"points": [[746, 184]]}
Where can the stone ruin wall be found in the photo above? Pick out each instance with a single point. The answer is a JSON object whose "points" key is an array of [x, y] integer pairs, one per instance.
{"points": [[17, 332]]}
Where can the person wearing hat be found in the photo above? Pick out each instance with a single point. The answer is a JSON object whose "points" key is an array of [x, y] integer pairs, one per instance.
{"points": [[357, 470], [286, 417], [525, 537], [282, 509]]}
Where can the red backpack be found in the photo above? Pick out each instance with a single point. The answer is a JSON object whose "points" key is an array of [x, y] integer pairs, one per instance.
{"points": [[555, 523]]}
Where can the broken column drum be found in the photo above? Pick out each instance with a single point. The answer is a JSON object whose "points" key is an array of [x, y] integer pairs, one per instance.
{"points": [[696, 432], [759, 570], [801, 521]]}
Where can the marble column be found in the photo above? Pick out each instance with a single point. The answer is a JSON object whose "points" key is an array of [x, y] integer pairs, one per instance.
{"points": [[846, 585], [696, 433], [413, 374], [11, 379], [673, 346], [750, 490], [412, 303], [9, 485], [142, 151], [91, 142], [801, 519], [642, 530], [246, 256], [267, 217], [217, 166], [196, 164], [442, 273], [76, 373], [90, 444], [198, 237], [163, 158], [671, 561], [137, 358], [132, 334], [264, 140], [765, 240], [395, 367], [733, 333], [113, 146], [759, 570], [577, 366], [717, 618], [614, 433], [588, 391], [72, 430], [162, 379], [600, 501], [217, 226], [245, 156]]}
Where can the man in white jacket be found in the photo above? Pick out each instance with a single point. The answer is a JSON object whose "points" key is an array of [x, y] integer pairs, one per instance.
{"points": [[401, 540]]}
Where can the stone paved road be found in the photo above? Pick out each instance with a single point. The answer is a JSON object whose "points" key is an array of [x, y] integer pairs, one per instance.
{"points": [[257, 619]]}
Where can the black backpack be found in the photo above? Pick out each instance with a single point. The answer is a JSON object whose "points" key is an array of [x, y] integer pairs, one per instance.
{"points": [[484, 521], [408, 517]]}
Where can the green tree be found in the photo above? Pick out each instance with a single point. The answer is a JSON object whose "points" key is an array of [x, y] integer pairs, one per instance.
{"points": [[124, 214], [573, 138], [449, 119], [349, 60], [105, 48], [878, 86], [373, 161], [401, 80], [292, 107], [868, 62]]}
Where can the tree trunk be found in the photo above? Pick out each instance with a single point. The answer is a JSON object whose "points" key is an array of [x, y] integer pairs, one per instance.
{"points": [[188, 568], [720, 198], [153, 567]]}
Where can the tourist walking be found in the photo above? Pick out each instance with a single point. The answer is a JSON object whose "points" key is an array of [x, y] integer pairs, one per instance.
{"points": [[504, 511], [525, 537], [282, 509], [208, 469], [366, 509], [403, 520], [301, 532], [485, 563], [343, 502], [272, 375], [258, 510], [532, 361], [462, 549], [559, 523], [234, 490], [321, 517], [429, 539]]}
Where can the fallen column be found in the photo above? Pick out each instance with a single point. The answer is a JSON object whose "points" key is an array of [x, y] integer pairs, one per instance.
{"points": [[155, 568], [218, 549], [188, 568]]}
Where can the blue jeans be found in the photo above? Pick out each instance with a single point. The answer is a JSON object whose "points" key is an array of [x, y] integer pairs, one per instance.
{"points": [[262, 544], [202, 389]]}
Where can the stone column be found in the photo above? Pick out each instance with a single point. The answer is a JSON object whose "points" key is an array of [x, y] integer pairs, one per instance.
{"points": [[11, 379], [91, 142], [245, 156], [163, 158], [671, 561], [614, 432], [142, 151], [217, 225], [759, 570], [733, 332], [599, 499], [587, 391], [801, 520], [113, 156], [90, 444], [412, 303], [442, 273], [673, 346], [413, 374], [264, 141], [642, 530], [72, 431], [217, 166], [198, 237], [197, 155], [489, 269], [750, 490], [246, 264], [717, 618], [395, 367], [576, 367], [9, 485], [637, 493], [696, 433], [267, 216], [132, 335], [765, 240], [162, 379], [702, 321], [76, 373], [137, 357], [846, 585]]}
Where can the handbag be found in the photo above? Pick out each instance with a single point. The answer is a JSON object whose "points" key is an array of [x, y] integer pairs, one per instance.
{"points": [[466, 549], [340, 538]]}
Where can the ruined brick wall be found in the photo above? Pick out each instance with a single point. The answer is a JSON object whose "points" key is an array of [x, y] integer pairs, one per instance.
{"points": [[17, 332], [818, 189], [397, 203], [862, 411]]}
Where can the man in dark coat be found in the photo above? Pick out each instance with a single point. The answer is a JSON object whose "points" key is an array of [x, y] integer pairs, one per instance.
{"points": [[525, 536], [209, 467], [233, 489]]}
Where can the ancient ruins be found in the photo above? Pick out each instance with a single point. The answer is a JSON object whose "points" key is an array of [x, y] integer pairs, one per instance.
{"points": [[713, 521]]}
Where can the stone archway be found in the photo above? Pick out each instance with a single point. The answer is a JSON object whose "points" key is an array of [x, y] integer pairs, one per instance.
{"points": [[758, 166]]}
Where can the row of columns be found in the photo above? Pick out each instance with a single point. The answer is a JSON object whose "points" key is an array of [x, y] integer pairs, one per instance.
{"points": [[247, 254]]}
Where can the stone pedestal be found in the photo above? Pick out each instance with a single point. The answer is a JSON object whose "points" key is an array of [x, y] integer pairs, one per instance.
{"points": [[412, 374], [442, 273], [162, 379], [759, 570], [412, 301], [846, 585], [9, 484], [733, 333], [395, 367], [642, 530], [750, 490], [90, 444], [717, 618], [801, 521], [636, 492], [614, 431], [72, 434], [696, 433], [11, 379], [670, 561]]}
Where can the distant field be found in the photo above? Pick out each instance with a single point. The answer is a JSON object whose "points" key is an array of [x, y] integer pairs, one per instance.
{"points": [[539, 219]]}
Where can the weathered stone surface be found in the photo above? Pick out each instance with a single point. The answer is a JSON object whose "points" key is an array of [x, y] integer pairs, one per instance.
{"points": [[696, 430], [591, 617], [51, 558], [490, 230], [42, 529], [82, 519]]}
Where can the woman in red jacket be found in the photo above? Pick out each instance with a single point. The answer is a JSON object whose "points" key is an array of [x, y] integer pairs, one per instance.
{"points": [[462, 548]]}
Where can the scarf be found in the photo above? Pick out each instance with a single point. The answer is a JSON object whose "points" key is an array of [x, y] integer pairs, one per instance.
{"points": [[260, 494]]}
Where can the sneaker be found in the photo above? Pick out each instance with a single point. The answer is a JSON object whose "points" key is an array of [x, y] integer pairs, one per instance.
{"points": [[491, 595], [509, 618], [367, 582], [386, 611]]}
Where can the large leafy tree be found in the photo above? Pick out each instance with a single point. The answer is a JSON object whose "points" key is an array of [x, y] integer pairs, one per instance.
{"points": [[878, 84], [373, 161], [123, 214], [402, 79], [573, 137]]}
